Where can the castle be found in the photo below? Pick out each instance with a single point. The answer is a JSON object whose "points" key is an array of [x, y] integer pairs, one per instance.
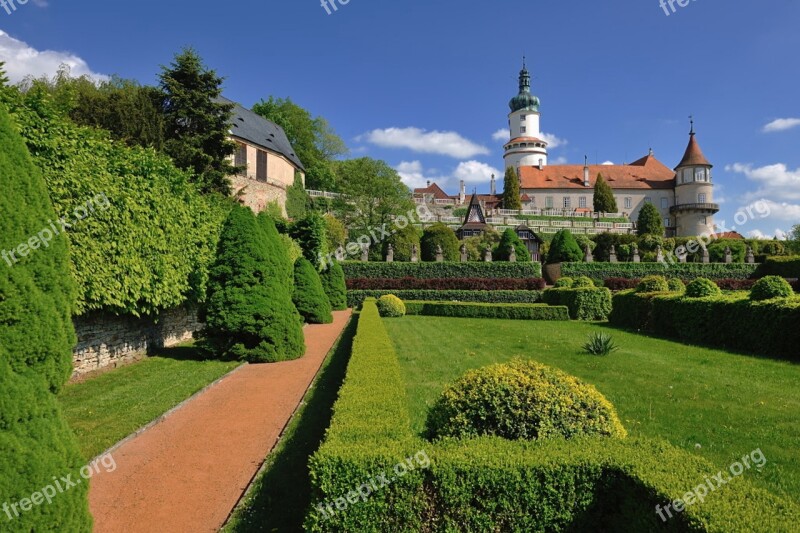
{"points": [[684, 195]]}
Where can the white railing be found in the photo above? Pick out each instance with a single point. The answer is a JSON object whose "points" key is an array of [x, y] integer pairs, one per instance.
{"points": [[323, 194], [446, 201], [450, 220]]}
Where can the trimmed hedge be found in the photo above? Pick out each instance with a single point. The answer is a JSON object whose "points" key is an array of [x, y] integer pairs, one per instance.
{"points": [[335, 287], [731, 322], [354, 269], [309, 297], [483, 310], [583, 304], [685, 271], [448, 284], [786, 267], [356, 298], [493, 484]]}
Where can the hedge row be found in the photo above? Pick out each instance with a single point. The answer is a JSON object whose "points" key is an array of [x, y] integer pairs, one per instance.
{"points": [[583, 304], [354, 269], [621, 284], [551, 485], [356, 298], [448, 284], [688, 271], [731, 321], [786, 267], [479, 310]]}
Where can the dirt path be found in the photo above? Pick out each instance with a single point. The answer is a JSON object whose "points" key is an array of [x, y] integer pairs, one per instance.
{"points": [[187, 473]]}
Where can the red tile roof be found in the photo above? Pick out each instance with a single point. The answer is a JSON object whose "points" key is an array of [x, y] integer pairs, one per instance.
{"points": [[435, 190], [525, 140], [694, 155], [729, 235], [645, 173]]}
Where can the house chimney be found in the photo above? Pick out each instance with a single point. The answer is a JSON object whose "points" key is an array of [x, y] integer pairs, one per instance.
{"points": [[541, 164], [586, 171], [462, 195], [493, 186], [429, 183]]}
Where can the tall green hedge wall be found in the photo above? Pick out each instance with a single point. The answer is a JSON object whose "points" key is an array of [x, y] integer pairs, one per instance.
{"points": [[353, 269], [640, 270]]}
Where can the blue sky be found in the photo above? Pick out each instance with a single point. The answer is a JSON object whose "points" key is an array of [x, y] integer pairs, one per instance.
{"points": [[425, 84]]}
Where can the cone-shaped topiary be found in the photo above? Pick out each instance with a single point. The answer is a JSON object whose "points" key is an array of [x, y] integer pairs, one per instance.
{"points": [[37, 292], [771, 287], [507, 240], [439, 235], [333, 281], [522, 400], [309, 297], [249, 312], [564, 248], [278, 261]]}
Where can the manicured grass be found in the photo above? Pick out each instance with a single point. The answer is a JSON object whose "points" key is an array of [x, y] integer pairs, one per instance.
{"points": [[108, 408], [715, 404], [281, 494]]}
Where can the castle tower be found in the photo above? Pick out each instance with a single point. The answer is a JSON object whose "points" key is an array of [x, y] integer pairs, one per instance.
{"points": [[694, 209], [526, 148]]}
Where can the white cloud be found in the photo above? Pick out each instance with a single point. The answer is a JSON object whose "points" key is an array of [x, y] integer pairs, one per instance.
{"points": [[475, 172], [411, 173], [774, 181], [21, 61], [415, 175], [552, 141], [608, 163], [781, 235], [501, 135], [758, 234], [783, 211], [447, 143], [560, 160], [781, 124]]}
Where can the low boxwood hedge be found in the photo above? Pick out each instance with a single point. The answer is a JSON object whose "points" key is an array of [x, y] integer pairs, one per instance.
{"points": [[483, 310], [785, 267], [356, 298], [492, 484], [354, 269], [685, 271], [448, 284], [583, 304], [731, 321]]}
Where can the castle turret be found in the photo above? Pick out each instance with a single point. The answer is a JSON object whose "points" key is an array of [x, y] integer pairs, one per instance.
{"points": [[694, 207], [526, 147]]}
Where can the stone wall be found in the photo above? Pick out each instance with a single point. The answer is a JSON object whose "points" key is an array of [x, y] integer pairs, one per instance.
{"points": [[109, 341], [256, 194]]}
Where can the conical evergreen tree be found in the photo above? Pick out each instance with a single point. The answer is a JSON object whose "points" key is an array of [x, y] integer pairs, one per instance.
{"points": [[649, 221], [508, 240], [333, 282], [511, 195], [604, 201], [309, 297], [564, 248]]}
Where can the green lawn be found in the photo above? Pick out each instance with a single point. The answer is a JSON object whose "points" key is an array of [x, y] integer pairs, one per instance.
{"points": [[716, 404], [108, 408]]}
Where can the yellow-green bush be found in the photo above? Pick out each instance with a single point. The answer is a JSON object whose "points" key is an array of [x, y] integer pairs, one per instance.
{"points": [[391, 306]]}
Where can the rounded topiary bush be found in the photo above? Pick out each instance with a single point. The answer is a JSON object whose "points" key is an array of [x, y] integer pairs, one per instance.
{"points": [[702, 288], [583, 282], [653, 284], [333, 281], [676, 285], [437, 235], [565, 283], [522, 400], [771, 287], [309, 297], [391, 306]]}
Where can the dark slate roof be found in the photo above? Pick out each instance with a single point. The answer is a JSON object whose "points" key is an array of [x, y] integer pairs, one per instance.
{"points": [[259, 131]]}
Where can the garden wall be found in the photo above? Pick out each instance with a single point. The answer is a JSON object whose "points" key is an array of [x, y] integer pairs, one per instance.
{"points": [[106, 340]]}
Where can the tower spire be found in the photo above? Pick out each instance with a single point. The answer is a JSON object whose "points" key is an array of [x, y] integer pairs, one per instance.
{"points": [[691, 121]]}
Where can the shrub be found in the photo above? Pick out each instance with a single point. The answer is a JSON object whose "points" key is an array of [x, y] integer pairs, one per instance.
{"points": [[334, 285], [771, 287], [735, 284], [311, 234], [653, 284], [522, 400], [565, 283], [508, 240], [650, 221], [716, 250], [446, 284], [685, 271], [391, 306], [356, 298], [354, 269], [487, 310], [583, 282], [600, 344], [280, 263], [621, 284], [249, 312], [785, 267], [309, 297], [583, 304], [402, 242], [564, 248], [439, 235], [702, 288], [676, 285]]}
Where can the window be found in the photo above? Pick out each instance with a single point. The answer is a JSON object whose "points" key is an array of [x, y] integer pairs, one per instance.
{"points": [[667, 223], [523, 129], [582, 202], [705, 221], [522, 118], [664, 203], [648, 200], [701, 198], [699, 174], [548, 202], [240, 157], [628, 203], [567, 202], [261, 166]]}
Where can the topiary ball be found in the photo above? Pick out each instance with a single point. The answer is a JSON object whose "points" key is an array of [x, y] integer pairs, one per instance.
{"points": [[771, 287], [583, 282], [390, 306], [565, 283], [522, 400], [676, 285], [653, 284], [702, 288]]}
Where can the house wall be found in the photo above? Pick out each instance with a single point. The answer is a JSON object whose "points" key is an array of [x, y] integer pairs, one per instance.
{"points": [[258, 194], [637, 199]]}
